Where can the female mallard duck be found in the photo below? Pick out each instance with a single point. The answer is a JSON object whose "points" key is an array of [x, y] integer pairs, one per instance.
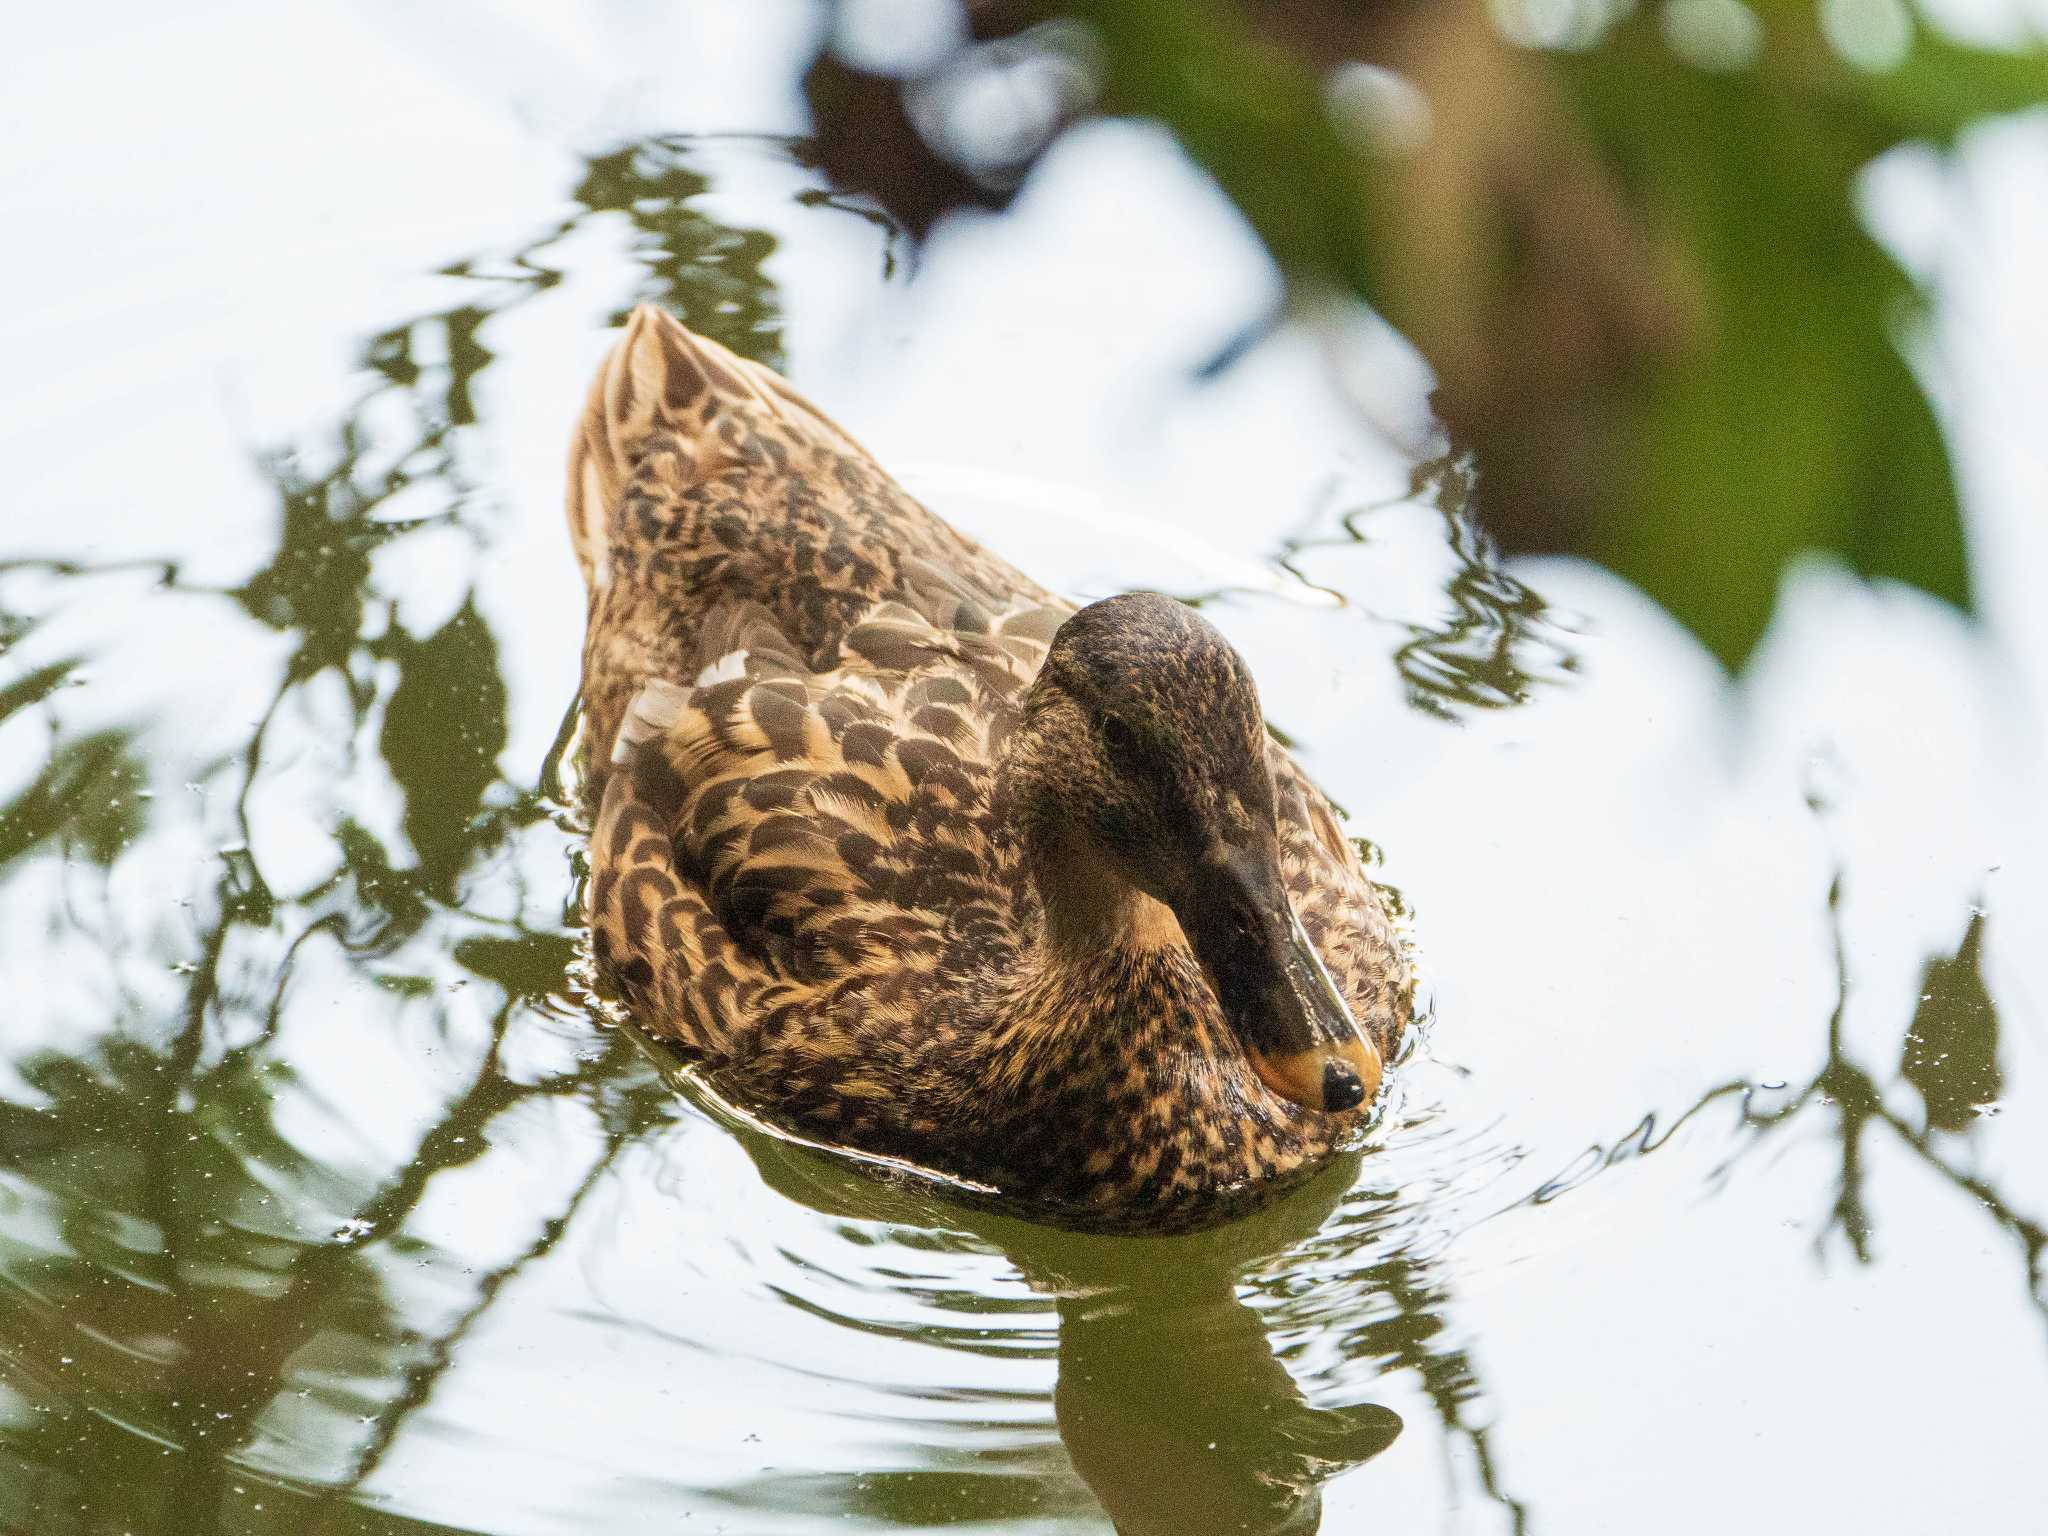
{"points": [[919, 860]]}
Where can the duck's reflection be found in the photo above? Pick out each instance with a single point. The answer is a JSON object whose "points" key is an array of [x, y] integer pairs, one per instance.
{"points": [[1179, 1419], [1170, 1402]]}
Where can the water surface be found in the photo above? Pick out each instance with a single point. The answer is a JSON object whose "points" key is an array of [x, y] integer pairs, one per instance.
{"points": [[1714, 1192]]}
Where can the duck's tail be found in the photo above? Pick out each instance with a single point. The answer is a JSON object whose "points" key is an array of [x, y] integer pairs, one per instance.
{"points": [[663, 388]]}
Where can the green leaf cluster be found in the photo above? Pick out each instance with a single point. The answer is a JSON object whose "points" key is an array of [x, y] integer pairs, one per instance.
{"points": [[1795, 426], [1786, 423]]}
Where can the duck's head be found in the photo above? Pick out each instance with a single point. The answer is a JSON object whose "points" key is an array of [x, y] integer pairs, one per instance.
{"points": [[1147, 807]]}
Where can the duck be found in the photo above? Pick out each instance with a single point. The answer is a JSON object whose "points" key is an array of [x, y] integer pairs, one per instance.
{"points": [[904, 854]]}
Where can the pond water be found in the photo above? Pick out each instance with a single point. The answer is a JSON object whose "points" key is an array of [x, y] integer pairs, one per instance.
{"points": [[1713, 1193]]}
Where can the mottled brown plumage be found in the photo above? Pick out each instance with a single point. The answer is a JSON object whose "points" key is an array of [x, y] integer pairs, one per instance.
{"points": [[916, 859]]}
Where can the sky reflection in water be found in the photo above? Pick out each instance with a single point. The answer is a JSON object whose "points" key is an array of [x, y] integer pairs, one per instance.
{"points": [[326, 1205]]}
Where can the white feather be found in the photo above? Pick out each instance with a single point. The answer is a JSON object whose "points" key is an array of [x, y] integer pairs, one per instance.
{"points": [[729, 668]]}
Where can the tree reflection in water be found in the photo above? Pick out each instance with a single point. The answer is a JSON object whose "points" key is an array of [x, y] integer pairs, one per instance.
{"points": [[1948, 1057], [169, 1236], [1498, 641]]}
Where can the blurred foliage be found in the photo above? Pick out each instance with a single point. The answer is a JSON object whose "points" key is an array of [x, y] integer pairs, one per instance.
{"points": [[1625, 236]]}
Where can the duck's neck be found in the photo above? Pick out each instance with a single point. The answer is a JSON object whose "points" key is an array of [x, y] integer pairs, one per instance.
{"points": [[1106, 970], [1077, 988], [1090, 909]]}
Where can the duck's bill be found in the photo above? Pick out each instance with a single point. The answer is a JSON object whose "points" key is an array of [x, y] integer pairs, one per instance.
{"points": [[1297, 1031], [1328, 1064], [1338, 1076]]}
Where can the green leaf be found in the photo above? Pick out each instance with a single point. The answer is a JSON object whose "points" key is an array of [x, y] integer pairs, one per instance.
{"points": [[1943, 87], [1909, 523], [1795, 427]]}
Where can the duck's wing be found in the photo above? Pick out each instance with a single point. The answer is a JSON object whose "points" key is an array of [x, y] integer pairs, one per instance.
{"points": [[653, 933], [1338, 905], [700, 482], [839, 822]]}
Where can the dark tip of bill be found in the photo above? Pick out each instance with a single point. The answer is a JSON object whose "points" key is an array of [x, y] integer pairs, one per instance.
{"points": [[1341, 1087]]}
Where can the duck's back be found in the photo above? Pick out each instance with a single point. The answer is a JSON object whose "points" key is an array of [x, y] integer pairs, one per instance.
{"points": [[709, 502]]}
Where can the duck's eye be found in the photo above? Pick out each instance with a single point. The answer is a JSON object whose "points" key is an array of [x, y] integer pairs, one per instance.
{"points": [[1121, 740]]}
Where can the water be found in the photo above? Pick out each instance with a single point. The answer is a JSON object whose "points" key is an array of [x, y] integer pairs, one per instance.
{"points": [[328, 1202]]}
